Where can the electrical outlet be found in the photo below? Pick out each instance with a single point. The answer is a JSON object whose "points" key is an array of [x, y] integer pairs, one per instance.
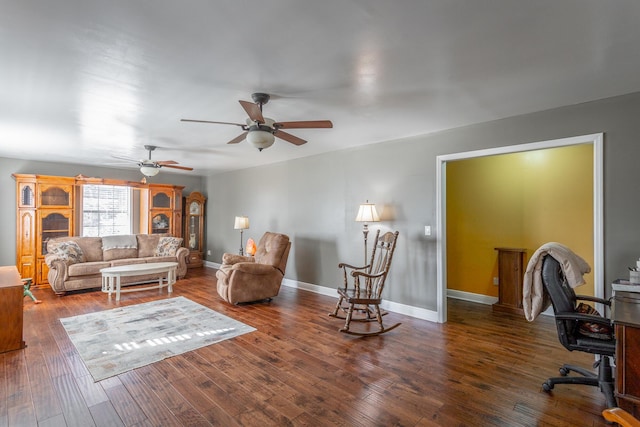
{"points": [[208, 251], [496, 281], [427, 230]]}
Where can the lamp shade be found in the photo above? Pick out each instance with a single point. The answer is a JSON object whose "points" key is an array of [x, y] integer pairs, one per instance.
{"points": [[367, 213], [260, 139], [149, 170], [241, 223]]}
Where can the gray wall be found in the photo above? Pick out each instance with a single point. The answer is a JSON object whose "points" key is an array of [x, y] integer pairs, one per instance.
{"points": [[8, 190], [314, 200]]}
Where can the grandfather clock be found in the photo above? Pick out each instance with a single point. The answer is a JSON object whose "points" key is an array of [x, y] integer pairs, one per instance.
{"points": [[194, 228]]}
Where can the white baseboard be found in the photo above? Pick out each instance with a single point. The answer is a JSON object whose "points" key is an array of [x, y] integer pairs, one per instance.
{"points": [[484, 299], [210, 264], [468, 296], [407, 310], [322, 290]]}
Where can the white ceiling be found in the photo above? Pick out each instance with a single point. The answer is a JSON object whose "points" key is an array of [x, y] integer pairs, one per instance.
{"points": [[81, 80]]}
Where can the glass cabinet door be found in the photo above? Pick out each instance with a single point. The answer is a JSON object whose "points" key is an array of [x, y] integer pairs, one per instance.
{"points": [[161, 200], [160, 223], [27, 196], [52, 196], [55, 224]]}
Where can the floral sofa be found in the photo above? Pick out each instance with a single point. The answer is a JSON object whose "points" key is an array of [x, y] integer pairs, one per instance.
{"points": [[75, 262]]}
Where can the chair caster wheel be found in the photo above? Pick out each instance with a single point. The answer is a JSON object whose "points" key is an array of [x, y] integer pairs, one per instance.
{"points": [[564, 372], [547, 386]]}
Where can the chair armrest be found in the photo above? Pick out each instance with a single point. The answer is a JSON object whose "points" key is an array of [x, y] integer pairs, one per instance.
{"points": [[252, 268], [353, 267], [594, 299], [367, 275], [231, 259], [58, 272], [50, 259], [584, 317], [54, 261]]}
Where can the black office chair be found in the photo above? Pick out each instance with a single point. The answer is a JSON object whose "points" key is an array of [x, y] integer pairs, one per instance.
{"points": [[578, 330]]}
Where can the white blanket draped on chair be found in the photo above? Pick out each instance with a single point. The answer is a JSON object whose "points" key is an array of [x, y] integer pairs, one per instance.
{"points": [[534, 299]]}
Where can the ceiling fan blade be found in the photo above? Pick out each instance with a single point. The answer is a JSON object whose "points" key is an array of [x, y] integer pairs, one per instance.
{"points": [[209, 121], [167, 162], [177, 167], [289, 138], [253, 110], [304, 124], [238, 138]]}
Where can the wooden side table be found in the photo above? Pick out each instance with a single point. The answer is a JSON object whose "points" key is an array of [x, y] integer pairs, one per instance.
{"points": [[510, 278], [11, 315]]}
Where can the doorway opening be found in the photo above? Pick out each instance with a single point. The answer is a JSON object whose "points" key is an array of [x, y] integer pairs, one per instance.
{"points": [[595, 140]]}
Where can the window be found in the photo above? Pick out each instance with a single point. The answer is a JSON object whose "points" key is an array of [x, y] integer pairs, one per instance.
{"points": [[106, 210]]}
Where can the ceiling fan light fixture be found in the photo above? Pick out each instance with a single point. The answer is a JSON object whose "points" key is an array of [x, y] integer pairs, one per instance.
{"points": [[260, 139], [149, 170]]}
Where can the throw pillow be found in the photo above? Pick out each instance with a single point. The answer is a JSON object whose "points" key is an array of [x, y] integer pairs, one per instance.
{"points": [[69, 251], [168, 246], [592, 329]]}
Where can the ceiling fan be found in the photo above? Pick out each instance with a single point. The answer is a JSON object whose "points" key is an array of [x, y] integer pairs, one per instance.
{"points": [[149, 167], [261, 131]]}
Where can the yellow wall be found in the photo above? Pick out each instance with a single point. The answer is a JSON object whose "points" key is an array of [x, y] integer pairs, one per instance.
{"points": [[519, 200]]}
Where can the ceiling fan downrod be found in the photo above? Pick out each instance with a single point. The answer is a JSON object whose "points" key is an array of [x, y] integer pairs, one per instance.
{"points": [[260, 99]]}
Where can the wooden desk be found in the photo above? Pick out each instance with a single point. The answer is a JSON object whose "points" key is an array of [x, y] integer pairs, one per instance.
{"points": [[11, 297], [625, 314]]}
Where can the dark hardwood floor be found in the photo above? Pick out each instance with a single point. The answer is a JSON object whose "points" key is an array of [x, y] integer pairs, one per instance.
{"points": [[479, 369]]}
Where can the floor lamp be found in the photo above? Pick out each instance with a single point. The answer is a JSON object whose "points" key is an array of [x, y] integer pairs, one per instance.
{"points": [[367, 213], [241, 223]]}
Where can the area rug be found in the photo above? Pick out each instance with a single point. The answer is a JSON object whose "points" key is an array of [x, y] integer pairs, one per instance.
{"points": [[114, 341]]}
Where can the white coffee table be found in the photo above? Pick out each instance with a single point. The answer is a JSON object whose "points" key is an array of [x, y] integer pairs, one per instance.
{"points": [[111, 276]]}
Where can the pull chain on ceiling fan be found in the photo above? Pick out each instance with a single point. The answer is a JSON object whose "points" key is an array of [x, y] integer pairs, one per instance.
{"points": [[261, 131]]}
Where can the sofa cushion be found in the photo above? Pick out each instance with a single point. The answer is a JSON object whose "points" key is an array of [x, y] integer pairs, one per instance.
{"points": [[112, 254], [127, 261], [91, 247], [126, 241], [87, 268], [119, 247], [147, 244], [168, 246], [69, 251], [151, 259]]}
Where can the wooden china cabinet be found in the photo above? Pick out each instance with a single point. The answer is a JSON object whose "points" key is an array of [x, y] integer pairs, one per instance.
{"points": [[45, 209], [163, 203], [194, 228]]}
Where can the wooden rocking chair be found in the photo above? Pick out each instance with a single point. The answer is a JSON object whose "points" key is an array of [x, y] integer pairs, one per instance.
{"points": [[364, 298]]}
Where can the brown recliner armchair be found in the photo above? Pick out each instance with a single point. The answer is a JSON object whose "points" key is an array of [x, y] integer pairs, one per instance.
{"points": [[246, 278]]}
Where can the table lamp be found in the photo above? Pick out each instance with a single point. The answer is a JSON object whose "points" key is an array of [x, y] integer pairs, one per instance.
{"points": [[367, 213], [241, 223]]}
